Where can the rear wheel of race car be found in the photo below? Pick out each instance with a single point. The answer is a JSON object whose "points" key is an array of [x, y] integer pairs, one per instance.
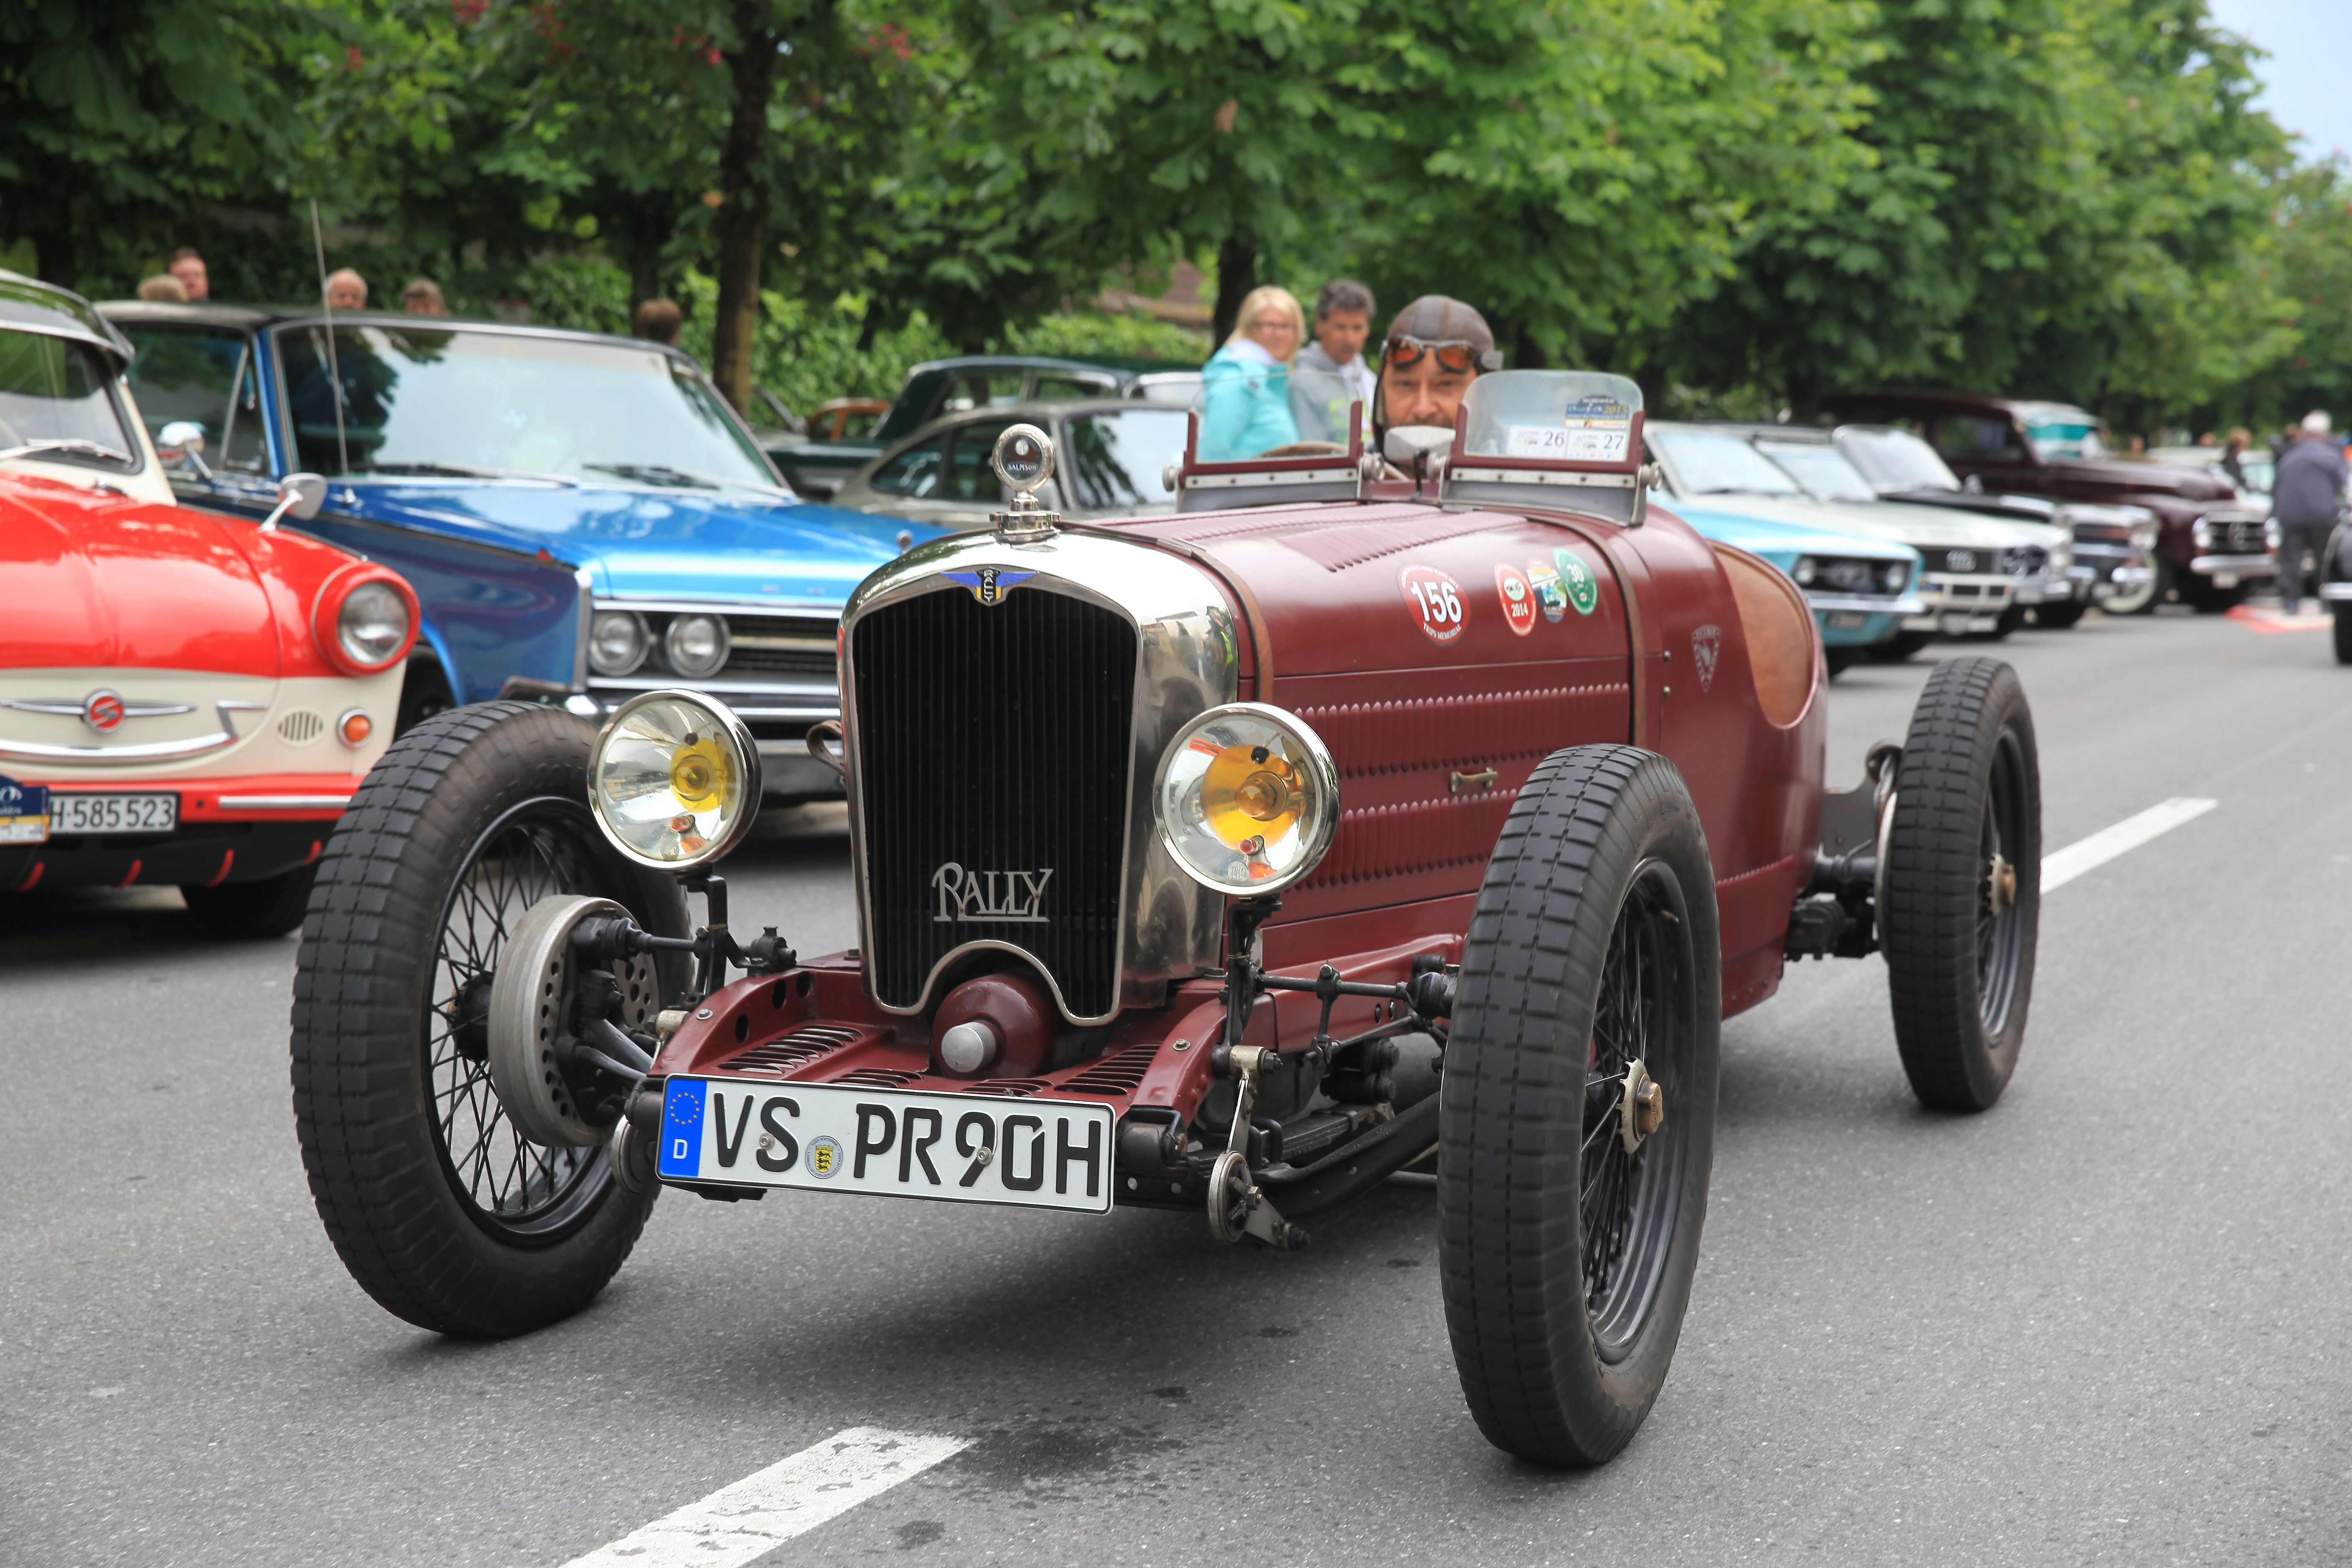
{"points": [[1962, 884], [248, 911], [439, 1208], [1593, 968]]}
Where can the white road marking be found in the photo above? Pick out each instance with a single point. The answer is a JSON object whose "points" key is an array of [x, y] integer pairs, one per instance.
{"points": [[739, 1523], [2063, 866]]}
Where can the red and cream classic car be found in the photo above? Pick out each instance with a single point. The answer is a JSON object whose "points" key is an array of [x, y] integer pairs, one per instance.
{"points": [[1431, 804], [183, 699]]}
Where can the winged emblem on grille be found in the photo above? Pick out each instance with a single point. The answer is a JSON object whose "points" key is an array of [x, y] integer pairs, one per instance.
{"points": [[989, 585]]}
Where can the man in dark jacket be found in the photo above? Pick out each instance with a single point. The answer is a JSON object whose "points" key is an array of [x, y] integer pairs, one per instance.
{"points": [[2305, 499]]}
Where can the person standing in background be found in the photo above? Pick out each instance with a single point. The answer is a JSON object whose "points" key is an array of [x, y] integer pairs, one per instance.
{"points": [[2233, 452], [346, 290], [422, 297], [658, 321], [2304, 501], [1343, 321], [1245, 386], [189, 267]]}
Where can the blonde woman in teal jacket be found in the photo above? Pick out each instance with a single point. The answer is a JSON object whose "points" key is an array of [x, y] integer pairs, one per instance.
{"points": [[1245, 390]]}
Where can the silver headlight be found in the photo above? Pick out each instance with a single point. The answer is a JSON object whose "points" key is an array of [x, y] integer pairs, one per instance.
{"points": [[1248, 798], [695, 645], [1896, 575], [673, 780], [2201, 532], [2062, 556], [373, 624], [617, 642], [1805, 571]]}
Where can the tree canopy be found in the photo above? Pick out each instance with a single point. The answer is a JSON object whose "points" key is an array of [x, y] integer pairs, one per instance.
{"points": [[1749, 205]]}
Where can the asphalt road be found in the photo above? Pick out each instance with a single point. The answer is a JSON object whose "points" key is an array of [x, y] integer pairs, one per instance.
{"points": [[2102, 1323]]}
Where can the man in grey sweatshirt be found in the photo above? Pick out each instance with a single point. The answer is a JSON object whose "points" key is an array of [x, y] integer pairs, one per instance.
{"points": [[1343, 321], [2306, 497]]}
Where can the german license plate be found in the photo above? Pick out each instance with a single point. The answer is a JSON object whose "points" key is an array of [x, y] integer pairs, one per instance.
{"points": [[1847, 620], [962, 1147], [70, 814]]}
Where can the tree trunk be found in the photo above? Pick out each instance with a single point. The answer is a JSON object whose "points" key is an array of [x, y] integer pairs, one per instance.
{"points": [[747, 195], [1527, 353], [651, 224], [1237, 275]]}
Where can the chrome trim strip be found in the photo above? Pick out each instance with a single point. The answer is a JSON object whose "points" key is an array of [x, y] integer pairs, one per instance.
{"points": [[2336, 592], [1187, 648], [2242, 565], [145, 752], [786, 608], [285, 802], [69, 710]]}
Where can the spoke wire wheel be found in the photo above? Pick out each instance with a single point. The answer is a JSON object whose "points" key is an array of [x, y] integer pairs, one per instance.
{"points": [[1962, 883], [522, 1190], [1567, 1258], [436, 1207]]}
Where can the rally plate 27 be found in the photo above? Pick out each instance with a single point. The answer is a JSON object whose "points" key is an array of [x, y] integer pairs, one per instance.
{"points": [[958, 1148]]}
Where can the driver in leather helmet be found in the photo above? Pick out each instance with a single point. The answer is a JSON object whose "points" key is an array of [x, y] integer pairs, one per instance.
{"points": [[1434, 349]]}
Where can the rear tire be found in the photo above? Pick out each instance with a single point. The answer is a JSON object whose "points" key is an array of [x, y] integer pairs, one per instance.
{"points": [[2199, 595], [1567, 1259], [2058, 618], [440, 1211], [250, 911], [1958, 925], [2343, 633]]}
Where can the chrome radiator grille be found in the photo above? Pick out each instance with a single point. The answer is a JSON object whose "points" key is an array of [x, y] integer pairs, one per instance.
{"points": [[993, 745]]}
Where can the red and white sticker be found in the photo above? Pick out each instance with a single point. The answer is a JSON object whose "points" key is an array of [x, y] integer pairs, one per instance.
{"points": [[1519, 599], [1436, 599]]}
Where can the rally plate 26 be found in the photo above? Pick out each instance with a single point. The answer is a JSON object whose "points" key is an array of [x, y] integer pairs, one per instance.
{"points": [[958, 1148]]}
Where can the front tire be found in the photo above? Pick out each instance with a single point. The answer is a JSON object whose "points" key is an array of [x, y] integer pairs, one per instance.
{"points": [[1963, 884], [2058, 618], [2343, 633], [1568, 1256], [440, 1210]]}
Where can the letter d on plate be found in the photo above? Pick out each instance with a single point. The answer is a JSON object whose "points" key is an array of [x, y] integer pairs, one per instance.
{"points": [[681, 1141]]}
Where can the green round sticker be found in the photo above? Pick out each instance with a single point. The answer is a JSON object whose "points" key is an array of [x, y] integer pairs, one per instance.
{"points": [[1583, 588]]}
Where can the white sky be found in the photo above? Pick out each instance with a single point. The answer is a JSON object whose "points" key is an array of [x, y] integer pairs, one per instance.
{"points": [[2304, 87]]}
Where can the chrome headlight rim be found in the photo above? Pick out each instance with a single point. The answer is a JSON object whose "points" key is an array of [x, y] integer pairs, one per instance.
{"points": [[746, 756], [1319, 827], [697, 670], [643, 635]]}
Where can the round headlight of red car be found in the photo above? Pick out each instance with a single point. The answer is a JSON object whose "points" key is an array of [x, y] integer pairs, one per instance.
{"points": [[1248, 798], [365, 620]]}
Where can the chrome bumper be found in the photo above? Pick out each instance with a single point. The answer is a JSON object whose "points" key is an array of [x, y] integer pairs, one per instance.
{"points": [[2236, 565], [1955, 606], [2335, 593], [1826, 603]]}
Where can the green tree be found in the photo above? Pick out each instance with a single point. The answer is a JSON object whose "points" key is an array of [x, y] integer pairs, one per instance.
{"points": [[118, 116]]}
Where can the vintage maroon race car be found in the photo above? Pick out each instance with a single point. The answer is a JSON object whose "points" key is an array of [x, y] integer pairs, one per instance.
{"points": [[182, 700], [1360, 814]]}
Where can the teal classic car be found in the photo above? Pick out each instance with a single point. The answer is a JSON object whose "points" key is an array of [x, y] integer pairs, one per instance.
{"points": [[1860, 589]]}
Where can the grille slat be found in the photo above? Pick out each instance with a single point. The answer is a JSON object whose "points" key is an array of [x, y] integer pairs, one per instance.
{"points": [[994, 739]]}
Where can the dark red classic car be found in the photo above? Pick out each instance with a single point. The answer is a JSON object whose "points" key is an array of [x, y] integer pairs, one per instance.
{"points": [[2212, 547], [1364, 813]]}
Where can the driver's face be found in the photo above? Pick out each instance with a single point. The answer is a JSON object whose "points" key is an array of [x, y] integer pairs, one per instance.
{"points": [[1424, 392]]}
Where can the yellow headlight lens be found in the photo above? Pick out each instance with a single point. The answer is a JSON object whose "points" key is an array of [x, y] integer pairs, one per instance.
{"points": [[674, 779], [1248, 799]]}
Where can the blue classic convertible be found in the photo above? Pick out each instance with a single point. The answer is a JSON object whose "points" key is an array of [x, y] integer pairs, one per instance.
{"points": [[583, 518]]}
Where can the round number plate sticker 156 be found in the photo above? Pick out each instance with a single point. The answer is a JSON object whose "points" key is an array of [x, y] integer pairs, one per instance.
{"points": [[1436, 599], [1519, 599]]}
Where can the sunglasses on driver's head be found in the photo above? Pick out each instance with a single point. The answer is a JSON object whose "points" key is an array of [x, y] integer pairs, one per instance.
{"points": [[1453, 353]]}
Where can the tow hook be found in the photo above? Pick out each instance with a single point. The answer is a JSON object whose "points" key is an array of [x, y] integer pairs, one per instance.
{"points": [[1643, 1111], [1236, 1207], [2003, 883]]}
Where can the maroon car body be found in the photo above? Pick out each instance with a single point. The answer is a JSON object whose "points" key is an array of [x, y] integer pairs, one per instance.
{"points": [[2212, 547], [1553, 764]]}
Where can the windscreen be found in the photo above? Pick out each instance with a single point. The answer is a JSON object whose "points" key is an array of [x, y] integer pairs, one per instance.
{"points": [[1718, 463], [1246, 412], [2064, 437], [1566, 416], [1822, 471], [435, 401], [1120, 461], [1897, 460], [52, 389]]}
